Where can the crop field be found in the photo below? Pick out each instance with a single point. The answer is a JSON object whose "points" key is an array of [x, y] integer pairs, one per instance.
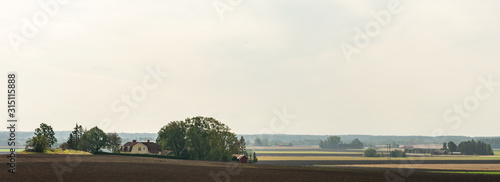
{"points": [[461, 167], [39, 167]]}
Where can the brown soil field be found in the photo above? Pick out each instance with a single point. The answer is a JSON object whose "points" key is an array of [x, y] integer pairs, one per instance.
{"points": [[39, 167], [457, 167]]}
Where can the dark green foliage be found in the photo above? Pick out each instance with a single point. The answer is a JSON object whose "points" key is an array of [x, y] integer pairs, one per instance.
{"points": [[398, 153], [114, 142], [452, 146], [46, 130], [93, 140], [255, 157], [75, 137], [39, 143], [370, 153], [475, 148], [331, 142], [199, 138]]}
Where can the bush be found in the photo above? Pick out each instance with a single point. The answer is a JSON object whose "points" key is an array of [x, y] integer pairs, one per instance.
{"points": [[370, 153], [398, 153]]}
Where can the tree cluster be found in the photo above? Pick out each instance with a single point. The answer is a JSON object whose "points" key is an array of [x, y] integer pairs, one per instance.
{"points": [[200, 138], [472, 147], [333, 142]]}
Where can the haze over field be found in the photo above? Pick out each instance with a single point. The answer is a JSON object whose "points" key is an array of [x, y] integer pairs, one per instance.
{"points": [[434, 66]]}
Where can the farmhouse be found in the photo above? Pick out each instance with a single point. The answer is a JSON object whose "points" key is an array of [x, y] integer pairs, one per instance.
{"points": [[135, 147], [241, 158]]}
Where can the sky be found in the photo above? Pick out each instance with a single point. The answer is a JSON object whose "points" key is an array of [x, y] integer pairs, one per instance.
{"points": [[280, 67]]}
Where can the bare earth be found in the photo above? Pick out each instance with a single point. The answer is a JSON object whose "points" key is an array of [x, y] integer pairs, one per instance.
{"points": [[40, 167], [458, 167]]}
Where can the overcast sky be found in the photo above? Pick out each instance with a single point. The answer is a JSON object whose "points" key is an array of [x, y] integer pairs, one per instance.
{"points": [[245, 63]]}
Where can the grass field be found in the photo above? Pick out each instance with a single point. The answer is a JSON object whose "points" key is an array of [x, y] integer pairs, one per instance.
{"points": [[459, 168], [8, 150], [57, 151]]}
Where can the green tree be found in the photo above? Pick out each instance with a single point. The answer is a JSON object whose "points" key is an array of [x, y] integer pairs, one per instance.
{"points": [[398, 153], [242, 146], [94, 140], [370, 153], [257, 142], [357, 144], [199, 138], [114, 142], [173, 137], [46, 130], [331, 142], [444, 146], [75, 137], [255, 157], [39, 143], [452, 146]]}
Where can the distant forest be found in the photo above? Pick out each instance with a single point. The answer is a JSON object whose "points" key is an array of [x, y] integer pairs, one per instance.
{"points": [[296, 140]]}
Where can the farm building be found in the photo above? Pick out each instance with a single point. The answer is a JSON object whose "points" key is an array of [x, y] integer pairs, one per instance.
{"points": [[241, 158], [135, 147], [424, 148]]}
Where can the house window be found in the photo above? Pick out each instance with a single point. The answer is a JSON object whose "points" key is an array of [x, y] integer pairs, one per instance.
{"points": [[139, 148]]}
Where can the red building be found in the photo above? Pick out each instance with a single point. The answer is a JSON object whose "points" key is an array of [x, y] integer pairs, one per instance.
{"points": [[241, 158]]}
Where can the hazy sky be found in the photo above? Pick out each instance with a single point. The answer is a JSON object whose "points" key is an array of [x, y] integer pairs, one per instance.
{"points": [[77, 59]]}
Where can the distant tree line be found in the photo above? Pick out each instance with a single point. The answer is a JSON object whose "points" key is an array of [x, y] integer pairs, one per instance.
{"points": [[334, 142], [472, 147]]}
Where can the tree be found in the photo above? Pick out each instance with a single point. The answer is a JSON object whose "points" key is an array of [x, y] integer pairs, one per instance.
{"points": [[114, 142], [357, 144], [452, 146], [63, 146], [94, 139], [331, 142], [474, 148], [258, 142], [242, 146], [46, 130], [173, 137], [370, 153], [75, 136], [39, 143], [199, 138], [398, 153], [255, 157], [444, 146]]}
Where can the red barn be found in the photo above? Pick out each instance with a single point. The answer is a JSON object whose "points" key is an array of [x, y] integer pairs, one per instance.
{"points": [[241, 158]]}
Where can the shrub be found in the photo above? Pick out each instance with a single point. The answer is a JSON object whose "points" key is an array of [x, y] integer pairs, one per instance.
{"points": [[370, 153]]}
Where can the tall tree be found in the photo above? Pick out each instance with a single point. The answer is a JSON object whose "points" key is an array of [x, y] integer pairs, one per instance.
{"points": [[173, 137], [114, 142], [452, 146], [48, 132], [95, 139], [444, 146], [199, 138], [242, 146], [75, 136], [257, 141]]}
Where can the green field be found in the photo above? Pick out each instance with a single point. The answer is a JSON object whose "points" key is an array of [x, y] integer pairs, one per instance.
{"points": [[8, 150], [497, 152]]}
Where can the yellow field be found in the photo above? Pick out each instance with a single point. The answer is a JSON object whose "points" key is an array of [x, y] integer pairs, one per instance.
{"points": [[321, 158]]}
